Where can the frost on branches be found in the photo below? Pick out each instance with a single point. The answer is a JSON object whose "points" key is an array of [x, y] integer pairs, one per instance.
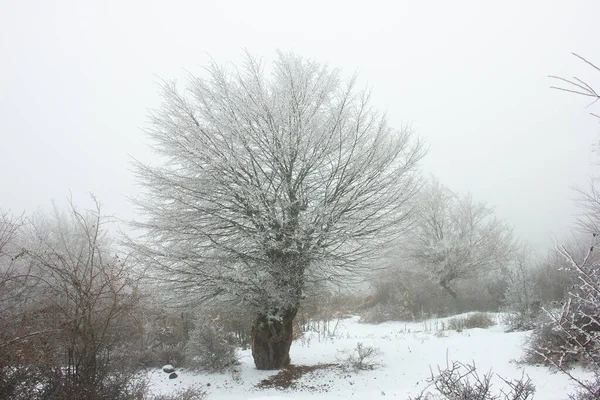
{"points": [[455, 237], [270, 183], [572, 333]]}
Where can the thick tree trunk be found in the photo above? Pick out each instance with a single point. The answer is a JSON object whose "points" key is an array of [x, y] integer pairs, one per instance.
{"points": [[272, 338]]}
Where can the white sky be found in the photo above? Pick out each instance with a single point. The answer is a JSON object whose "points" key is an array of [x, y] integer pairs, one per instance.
{"points": [[77, 78]]}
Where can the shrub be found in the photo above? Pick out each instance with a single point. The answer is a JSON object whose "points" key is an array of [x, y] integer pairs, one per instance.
{"points": [[546, 344], [209, 349], [163, 333], [520, 299], [475, 320], [572, 334], [191, 393], [49, 383], [462, 382], [386, 312], [361, 358], [408, 294], [588, 390]]}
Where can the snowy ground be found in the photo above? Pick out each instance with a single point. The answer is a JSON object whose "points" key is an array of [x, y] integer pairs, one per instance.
{"points": [[408, 353]]}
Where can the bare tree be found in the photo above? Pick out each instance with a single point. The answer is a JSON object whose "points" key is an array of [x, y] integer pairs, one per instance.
{"points": [[455, 237], [270, 183], [579, 86]]}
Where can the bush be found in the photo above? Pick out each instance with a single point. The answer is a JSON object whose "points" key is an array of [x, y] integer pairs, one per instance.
{"points": [[588, 390], [553, 278], [520, 299], [408, 294], [386, 312], [546, 345], [163, 333], [572, 333], [191, 393], [475, 320], [462, 382], [361, 358], [209, 349], [49, 383], [517, 321]]}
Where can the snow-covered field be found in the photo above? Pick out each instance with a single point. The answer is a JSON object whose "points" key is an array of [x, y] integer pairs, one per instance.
{"points": [[408, 353]]}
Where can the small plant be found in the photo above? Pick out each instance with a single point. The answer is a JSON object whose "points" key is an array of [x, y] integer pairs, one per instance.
{"points": [[361, 358], [190, 393], [476, 320], [460, 381]]}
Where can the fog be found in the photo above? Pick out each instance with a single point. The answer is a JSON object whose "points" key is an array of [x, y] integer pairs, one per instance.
{"points": [[470, 77]]}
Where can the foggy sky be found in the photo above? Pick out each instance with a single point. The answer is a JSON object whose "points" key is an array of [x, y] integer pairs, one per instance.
{"points": [[77, 78]]}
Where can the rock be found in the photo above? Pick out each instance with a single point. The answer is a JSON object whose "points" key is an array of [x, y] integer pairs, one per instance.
{"points": [[168, 368], [173, 375]]}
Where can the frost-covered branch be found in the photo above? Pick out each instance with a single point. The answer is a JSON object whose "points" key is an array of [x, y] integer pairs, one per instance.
{"points": [[270, 182]]}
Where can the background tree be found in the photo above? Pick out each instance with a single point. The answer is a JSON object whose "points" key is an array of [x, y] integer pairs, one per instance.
{"points": [[270, 183], [521, 301], [456, 238], [11, 278]]}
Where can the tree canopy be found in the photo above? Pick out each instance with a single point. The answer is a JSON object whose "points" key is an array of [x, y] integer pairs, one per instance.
{"points": [[270, 182]]}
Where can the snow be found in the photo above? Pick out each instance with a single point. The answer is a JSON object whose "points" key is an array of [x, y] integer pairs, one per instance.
{"points": [[409, 352]]}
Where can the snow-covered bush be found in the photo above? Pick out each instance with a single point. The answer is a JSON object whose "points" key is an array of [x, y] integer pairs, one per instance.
{"points": [[520, 300], [190, 393], [361, 358], [588, 390], [462, 382], [407, 293], [572, 333], [209, 349], [475, 320]]}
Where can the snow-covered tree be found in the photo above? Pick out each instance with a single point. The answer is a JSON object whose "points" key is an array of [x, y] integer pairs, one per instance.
{"points": [[455, 237], [267, 184]]}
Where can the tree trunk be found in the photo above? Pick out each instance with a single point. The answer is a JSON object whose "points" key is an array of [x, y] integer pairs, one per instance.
{"points": [[272, 338], [444, 283]]}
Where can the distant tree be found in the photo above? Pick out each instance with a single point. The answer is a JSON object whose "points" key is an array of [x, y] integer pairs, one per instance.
{"points": [[10, 227], [520, 298], [456, 238], [269, 184]]}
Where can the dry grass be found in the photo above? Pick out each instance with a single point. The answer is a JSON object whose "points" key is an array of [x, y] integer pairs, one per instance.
{"points": [[476, 320]]}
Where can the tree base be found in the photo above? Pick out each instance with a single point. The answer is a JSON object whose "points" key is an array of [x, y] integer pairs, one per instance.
{"points": [[271, 339]]}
